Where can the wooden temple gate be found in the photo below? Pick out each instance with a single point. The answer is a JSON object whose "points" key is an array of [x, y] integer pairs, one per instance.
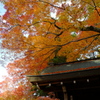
{"points": [[71, 81]]}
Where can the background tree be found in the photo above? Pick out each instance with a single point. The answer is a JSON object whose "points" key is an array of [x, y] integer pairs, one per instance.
{"points": [[15, 86], [44, 30]]}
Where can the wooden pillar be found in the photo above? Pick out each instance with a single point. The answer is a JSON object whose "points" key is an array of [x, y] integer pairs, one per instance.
{"points": [[65, 92], [71, 97]]}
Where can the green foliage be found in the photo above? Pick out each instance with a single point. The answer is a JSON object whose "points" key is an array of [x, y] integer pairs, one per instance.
{"points": [[58, 60], [40, 93]]}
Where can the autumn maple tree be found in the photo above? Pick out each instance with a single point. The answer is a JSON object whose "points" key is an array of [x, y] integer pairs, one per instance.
{"points": [[50, 30], [47, 31]]}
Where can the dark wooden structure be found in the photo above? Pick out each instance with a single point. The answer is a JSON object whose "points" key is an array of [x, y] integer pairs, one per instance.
{"points": [[71, 81]]}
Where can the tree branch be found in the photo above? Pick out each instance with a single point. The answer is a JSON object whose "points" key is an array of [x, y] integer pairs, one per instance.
{"points": [[91, 28], [79, 39], [52, 5], [90, 43], [95, 7]]}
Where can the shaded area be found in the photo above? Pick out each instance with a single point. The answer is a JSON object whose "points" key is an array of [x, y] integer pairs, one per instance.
{"points": [[76, 80]]}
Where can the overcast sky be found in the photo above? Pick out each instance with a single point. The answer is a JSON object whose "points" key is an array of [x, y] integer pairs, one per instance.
{"points": [[3, 71], [2, 10]]}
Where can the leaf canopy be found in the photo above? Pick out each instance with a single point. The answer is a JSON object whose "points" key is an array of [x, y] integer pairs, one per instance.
{"points": [[43, 30]]}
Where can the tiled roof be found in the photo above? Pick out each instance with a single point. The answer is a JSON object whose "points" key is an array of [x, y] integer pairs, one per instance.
{"points": [[68, 71], [71, 67]]}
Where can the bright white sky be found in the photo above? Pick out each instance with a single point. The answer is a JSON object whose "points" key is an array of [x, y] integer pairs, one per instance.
{"points": [[2, 10], [3, 71]]}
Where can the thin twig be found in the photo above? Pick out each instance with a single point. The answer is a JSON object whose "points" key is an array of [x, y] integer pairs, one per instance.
{"points": [[90, 43], [95, 7], [52, 5]]}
